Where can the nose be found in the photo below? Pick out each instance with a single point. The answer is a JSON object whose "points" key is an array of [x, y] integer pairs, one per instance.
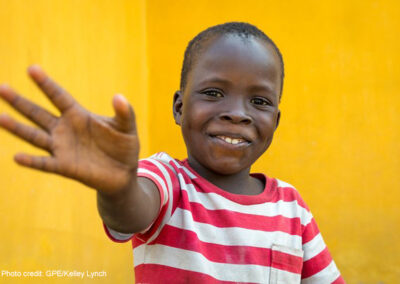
{"points": [[236, 113]]}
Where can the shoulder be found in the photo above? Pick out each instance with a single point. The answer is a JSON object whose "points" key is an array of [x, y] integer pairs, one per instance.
{"points": [[283, 184], [291, 203], [288, 192], [163, 161], [160, 157], [159, 162], [165, 171]]}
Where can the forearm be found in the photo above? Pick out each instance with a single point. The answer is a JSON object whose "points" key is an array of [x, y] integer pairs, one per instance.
{"points": [[131, 209]]}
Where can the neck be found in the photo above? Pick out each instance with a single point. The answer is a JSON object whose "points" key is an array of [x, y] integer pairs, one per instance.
{"points": [[237, 183]]}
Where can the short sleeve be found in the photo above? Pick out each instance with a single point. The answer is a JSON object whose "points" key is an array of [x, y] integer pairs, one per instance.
{"points": [[161, 169], [117, 236], [318, 265]]}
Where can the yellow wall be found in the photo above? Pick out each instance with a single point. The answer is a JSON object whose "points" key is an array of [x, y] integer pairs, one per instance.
{"points": [[95, 49], [336, 142]]}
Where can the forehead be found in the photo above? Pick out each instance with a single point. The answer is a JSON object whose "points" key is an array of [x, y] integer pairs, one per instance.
{"points": [[238, 58]]}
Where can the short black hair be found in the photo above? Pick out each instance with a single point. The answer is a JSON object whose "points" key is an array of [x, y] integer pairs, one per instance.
{"points": [[241, 29]]}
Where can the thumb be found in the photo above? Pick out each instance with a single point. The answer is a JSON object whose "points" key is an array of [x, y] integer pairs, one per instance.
{"points": [[124, 114]]}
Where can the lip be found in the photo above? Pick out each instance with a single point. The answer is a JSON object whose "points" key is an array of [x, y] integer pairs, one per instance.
{"points": [[216, 138], [231, 135]]}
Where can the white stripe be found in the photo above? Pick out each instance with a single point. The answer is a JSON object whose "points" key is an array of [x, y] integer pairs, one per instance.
{"points": [[288, 250], [164, 159], [119, 236], [170, 199], [167, 159], [170, 167], [214, 201], [283, 277], [186, 170], [327, 275], [233, 236], [313, 247], [284, 184], [194, 261], [159, 180]]}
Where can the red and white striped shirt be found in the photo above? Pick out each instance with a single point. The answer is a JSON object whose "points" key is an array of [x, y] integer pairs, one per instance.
{"points": [[204, 234]]}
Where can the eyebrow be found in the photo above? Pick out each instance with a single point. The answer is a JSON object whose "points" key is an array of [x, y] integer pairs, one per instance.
{"points": [[214, 79], [219, 80]]}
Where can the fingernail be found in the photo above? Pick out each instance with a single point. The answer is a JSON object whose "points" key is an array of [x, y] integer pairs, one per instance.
{"points": [[4, 86], [36, 72], [4, 118], [33, 67], [19, 157], [122, 98]]}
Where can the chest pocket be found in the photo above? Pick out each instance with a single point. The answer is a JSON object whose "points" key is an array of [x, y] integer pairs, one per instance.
{"points": [[286, 265]]}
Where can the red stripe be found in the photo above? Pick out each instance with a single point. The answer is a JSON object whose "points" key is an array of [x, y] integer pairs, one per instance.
{"points": [[339, 280], [158, 185], [287, 194], [286, 262], [290, 194], [310, 231], [149, 165], [202, 185], [272, 191], [277, 193], [226, 218], [316, 264], [152, 167], [153, 273], [188, 240], [175, 183]]}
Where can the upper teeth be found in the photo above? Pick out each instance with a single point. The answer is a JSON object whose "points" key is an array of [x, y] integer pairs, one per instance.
{"points": [[230, 140]]}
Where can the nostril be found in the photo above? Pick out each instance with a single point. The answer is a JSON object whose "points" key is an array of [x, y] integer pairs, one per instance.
{"points": [[236, 118], [225, 117], [246, 120]]}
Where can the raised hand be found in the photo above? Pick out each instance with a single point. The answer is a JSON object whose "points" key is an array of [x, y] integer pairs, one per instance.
{"points": [[99, 151]]}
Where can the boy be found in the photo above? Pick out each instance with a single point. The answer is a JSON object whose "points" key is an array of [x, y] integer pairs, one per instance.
{"points": [[205, 219]]}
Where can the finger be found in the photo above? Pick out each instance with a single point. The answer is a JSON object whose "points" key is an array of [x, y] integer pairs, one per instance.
{"points": [[41, 163], [34, 136], [57, 95], [30, 110], [124, 114]]}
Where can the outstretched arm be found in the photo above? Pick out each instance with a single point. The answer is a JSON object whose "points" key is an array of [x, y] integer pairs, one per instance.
{"points": [[101, 152]]}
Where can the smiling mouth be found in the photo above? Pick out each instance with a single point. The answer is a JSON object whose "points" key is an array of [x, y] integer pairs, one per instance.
{"points": [[232, 140]]}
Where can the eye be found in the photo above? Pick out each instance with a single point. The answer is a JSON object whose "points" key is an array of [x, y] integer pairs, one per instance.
{"points": [[213, 93], [260, 101]]}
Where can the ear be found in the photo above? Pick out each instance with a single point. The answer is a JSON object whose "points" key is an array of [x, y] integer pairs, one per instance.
{"points": [[177, 107], [278, 119]]}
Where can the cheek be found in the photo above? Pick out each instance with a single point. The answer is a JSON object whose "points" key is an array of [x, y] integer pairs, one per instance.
{"points": [[191, 127], [196, 115], [267, 129]]}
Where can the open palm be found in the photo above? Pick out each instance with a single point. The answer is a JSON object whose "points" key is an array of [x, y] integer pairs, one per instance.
{"points": [[99, 151]]}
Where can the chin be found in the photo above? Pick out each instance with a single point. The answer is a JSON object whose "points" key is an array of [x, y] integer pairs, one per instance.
{"points": [[228, 168]]}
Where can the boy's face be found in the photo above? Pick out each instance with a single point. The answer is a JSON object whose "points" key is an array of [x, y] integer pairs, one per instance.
{"points": [[228, 110]]}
